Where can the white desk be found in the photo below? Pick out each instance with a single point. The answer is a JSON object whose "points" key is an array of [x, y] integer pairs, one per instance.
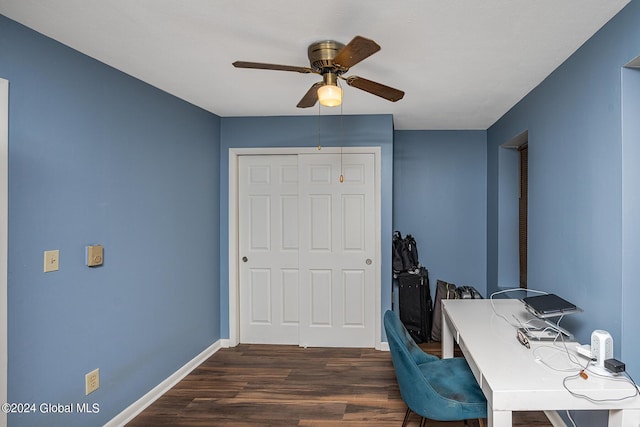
{"points": [[510, 376]]}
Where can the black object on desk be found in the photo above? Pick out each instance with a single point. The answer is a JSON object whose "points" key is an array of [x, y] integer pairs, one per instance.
{"points": [[548, 304]]}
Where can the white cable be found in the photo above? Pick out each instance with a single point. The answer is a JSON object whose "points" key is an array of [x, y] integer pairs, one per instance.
{"points": [[525, 326], [556, 347], [506, 291], [581, 369], [625, 377], [534, 328], [590, 399], [570, 357]]}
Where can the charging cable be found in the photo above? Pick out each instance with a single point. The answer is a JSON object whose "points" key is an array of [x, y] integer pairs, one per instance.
{"points": [[504, 291], [624, 378]]}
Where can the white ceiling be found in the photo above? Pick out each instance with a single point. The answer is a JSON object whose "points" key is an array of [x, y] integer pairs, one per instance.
{"points": [[462, 63]]}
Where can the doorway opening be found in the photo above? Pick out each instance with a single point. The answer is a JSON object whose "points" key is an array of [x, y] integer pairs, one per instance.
{"points": [[523, 210], [513, 206]]}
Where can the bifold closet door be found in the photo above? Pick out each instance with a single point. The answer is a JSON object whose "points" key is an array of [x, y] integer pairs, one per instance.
{"points": [[307, 249]]}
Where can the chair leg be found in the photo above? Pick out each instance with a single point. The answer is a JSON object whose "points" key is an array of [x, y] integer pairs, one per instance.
{"points": [[406, 417], [423, 422], [481, 422]]}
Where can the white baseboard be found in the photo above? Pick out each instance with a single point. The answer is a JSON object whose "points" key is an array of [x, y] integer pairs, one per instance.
{"points": [[384, 346], [141, 404]]}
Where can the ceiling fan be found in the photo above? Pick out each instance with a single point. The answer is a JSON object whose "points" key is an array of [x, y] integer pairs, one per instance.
{"points": [[332, 59]]}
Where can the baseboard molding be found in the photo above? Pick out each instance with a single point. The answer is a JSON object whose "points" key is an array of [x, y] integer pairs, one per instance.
{"points": [[141, 404], [555, 418], [384, 346]]}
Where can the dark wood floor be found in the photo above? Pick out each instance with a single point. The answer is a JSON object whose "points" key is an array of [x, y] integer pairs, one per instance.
{"points": [[267, 385]]}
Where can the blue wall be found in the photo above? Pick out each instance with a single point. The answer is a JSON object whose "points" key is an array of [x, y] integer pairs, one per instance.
{"points": [[576, 183], [440, 197], [302, 131], [630, 215], [97, 157]]}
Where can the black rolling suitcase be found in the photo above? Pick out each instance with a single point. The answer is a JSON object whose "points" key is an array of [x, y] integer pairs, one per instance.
{"points": [[416, 307]]}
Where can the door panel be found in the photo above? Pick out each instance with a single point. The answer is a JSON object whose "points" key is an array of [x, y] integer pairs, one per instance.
{"points": [[290, 297], [321, 301], [260, 293], [337, 231], [352, 222], [259, 223], [289, 222], [268, 240], [320, 223], [354, 290]]}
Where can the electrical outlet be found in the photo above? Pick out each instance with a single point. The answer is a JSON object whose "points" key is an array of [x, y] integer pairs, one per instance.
{"points": [[92, 381], [51, 260]]}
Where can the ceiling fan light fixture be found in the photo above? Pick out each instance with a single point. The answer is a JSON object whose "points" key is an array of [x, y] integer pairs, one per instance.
{"points": [[330, 95], [331, 60]]}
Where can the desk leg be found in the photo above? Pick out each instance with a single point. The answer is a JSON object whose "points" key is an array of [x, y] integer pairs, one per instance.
{"points": [[447, 338], [498, 418], [624, 418]]}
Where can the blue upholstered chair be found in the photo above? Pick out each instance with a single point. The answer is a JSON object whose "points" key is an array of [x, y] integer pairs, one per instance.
{"points": [[434, 388]]}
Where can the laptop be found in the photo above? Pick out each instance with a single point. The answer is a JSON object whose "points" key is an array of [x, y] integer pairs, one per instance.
{"points": [[548, 304]]}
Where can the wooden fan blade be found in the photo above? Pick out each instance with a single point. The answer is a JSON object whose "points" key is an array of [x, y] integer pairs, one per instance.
{"points": [[374, 88], [263, 66], [355, 51], [311, 97]]}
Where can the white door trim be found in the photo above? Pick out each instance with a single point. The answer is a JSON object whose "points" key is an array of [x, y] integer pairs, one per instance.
{"points": [[4, 237], [234, 322]]}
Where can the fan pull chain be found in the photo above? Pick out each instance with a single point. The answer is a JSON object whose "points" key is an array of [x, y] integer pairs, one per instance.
{"points": [[319, 147], [341, 143]]}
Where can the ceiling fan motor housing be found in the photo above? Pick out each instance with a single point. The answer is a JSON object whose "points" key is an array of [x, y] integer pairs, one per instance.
{"points": [[321, 56]]}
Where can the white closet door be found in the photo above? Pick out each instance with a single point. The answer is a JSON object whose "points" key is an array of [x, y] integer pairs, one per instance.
{"points": [[268, 249], [337, 250]]}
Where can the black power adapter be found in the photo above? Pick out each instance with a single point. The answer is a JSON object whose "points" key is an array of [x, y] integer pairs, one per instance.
{"points": [[614, 365]]}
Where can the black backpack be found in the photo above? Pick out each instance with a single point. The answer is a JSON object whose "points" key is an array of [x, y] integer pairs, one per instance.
{"points": [[404, 253]]}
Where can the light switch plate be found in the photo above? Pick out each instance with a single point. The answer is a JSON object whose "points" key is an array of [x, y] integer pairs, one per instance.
{"points": [[94, 255], [51, 260]]}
